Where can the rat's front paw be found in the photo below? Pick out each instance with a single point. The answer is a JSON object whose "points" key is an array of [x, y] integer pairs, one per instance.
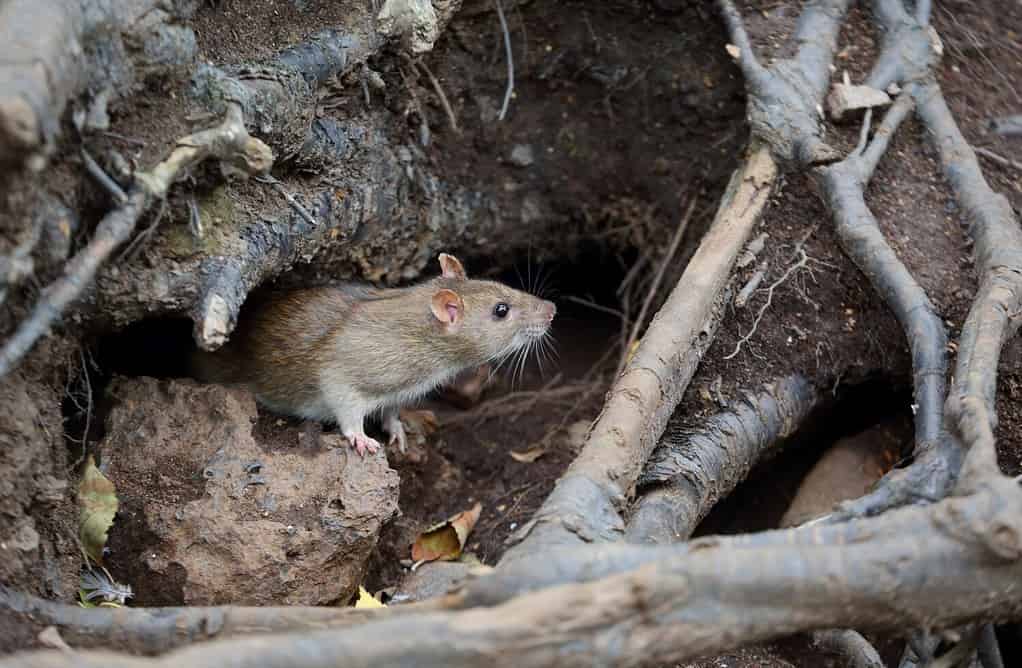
{"points": [[363, 443]]}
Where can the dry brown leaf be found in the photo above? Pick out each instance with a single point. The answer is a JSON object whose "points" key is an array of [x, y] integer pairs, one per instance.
{"points": [[446, 540], [529, 456]]}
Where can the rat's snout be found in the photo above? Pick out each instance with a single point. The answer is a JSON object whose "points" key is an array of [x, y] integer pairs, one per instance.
{"points": [[548, 310]]}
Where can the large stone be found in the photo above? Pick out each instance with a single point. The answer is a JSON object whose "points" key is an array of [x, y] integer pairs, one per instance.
{"points": [[211, 516]]}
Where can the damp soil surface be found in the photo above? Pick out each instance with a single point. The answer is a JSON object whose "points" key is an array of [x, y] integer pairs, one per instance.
{"points": [[622, 112]]}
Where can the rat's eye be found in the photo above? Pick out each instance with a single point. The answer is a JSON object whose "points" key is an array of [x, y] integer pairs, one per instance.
{"points": [[501, 310]]}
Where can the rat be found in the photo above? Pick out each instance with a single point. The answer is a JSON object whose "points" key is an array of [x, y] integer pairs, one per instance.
{"points": [[345, 352]]}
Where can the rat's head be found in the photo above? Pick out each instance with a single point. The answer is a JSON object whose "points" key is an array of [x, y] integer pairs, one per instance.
{"points": [[489, 318]]}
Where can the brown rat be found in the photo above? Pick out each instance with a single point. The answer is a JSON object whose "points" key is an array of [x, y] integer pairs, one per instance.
{"points": [[345, 352]]}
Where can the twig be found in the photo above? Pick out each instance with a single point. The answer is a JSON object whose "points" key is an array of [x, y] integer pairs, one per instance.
{"points": [[752, 284], [103, 179], [1001, 160], [802, 261], [229, 142], [754, 73], [194, 218], [516, 403], [596, 307], [651, 293], [451, 118], [632, 273], [87, 410], [123, 138], [112, 230], [510, 61], [295, 204], [135, 246]]}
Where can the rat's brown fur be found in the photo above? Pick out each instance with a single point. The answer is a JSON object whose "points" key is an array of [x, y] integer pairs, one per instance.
{"points": [[342, 353]]}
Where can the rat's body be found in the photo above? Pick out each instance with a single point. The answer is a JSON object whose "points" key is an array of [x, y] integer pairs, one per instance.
{"points": [[343, 353]]}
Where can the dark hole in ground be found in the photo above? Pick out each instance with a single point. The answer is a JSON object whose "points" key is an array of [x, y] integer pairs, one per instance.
{"points": [[760, 502], [878, 410]]}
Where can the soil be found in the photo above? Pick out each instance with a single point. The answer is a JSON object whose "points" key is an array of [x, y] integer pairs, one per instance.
{"points": [[621, 112]]}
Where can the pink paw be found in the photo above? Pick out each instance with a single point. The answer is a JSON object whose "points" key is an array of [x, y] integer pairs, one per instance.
{"points": [[363, 444]]}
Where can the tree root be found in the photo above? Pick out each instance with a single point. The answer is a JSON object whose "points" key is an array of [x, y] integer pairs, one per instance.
{"points": [[159, 630], [843, 186], [228, 142], [586, 502], [856, 651], [784, 99], [49, 49], [994, 316], [709, 594], [692, 469], [909, 54]]}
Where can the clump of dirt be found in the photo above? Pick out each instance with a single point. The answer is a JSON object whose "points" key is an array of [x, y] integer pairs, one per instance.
{"points": [[211, 515]]}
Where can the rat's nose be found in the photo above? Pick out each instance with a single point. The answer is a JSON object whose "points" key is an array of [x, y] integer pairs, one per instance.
{"points": [[549, 310]]}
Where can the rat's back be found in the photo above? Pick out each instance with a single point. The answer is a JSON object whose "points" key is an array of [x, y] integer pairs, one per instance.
{"points": [[274, 350]]}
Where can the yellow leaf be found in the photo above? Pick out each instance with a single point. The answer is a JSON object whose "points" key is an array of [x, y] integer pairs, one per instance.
{"points": [[446, 540], [97, 505], [367, 600]]}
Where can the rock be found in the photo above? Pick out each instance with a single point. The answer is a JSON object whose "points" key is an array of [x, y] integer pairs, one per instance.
{"points": [[415, 21], [221, 518], [848, 470], [522, 155], [845, 97]]}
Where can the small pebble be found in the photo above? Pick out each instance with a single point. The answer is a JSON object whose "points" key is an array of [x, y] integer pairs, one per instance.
{"points": [[522, 155]]}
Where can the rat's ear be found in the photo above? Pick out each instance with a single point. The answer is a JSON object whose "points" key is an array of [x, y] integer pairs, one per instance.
{"points": [[451, 267], [447, 307]]}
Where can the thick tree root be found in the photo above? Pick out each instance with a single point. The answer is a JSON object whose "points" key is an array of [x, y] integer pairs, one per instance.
{"points": [[53, 50], [692, 469], [710, 594], [587, 502], [856, 651], [158, 630], [784, 99], [228, 142], [843, 186], [585, 505]]}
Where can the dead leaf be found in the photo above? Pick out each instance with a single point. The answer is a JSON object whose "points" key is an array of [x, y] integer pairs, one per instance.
{"points": [[97, 504], [367, 600], [529, 456], [733, 51], [446, 540]]}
